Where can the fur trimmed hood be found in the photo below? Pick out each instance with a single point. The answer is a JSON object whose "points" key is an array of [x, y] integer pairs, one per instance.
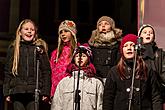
{"points": [[97, 39]]}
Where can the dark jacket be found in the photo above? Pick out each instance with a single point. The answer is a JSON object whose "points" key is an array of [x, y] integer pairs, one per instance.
{"points": [[155, 57], [1, 74], [25, 81], [146, 94], [105, 57]]}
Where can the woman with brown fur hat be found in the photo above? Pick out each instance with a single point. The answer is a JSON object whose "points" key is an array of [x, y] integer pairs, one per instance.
{"points": [[104, 43]]}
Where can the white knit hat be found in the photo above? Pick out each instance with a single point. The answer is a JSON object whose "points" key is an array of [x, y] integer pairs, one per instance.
{"points": [[144, 26], [68, 25], [71, 27]]}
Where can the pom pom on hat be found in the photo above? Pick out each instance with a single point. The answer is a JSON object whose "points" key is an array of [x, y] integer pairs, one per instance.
{"points": [[128, 37]]}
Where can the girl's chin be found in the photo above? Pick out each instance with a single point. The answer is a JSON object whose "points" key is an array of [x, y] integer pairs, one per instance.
{"points": [[129, 57], [82, 65], [65, 40], [147, 41], [28, 39]]}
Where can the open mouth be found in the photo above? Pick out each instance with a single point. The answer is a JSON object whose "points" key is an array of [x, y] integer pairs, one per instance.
{"points": [[29, 36], [147, 38], [103, 30], [129, 53], [63, 37], [80, 62]]}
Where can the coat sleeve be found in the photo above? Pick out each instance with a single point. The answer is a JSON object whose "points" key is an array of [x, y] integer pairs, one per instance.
{"points": [[7, 72], [162, 72], [57, 99], [156, 98], [100, 89], [53, 58], [109, 93], [52, 65], [45, 74]]}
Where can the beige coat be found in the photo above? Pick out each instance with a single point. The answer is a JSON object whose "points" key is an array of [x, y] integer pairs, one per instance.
{"points": [[91, 93]]}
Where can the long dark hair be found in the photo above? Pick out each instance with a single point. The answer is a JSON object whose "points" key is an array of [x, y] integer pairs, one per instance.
{"points": [[140, 71]]}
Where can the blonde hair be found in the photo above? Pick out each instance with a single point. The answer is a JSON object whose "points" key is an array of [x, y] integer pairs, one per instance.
{"points": [[71, 27], [16, 44], [73, 43]]}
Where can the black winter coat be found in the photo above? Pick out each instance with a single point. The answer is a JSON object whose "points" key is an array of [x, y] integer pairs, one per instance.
{"points": [[105, 57], [25, 81], [146, 95], [155, 57]]}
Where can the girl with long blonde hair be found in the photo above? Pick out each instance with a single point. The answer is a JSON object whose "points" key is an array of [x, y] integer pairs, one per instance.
{"points": [[20, 68]]}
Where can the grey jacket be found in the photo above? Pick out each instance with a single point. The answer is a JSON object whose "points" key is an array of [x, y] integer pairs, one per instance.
{"points": [[91, 93]]}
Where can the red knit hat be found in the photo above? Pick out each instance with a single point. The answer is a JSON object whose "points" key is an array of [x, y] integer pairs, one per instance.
{"points": [[128, 37]]}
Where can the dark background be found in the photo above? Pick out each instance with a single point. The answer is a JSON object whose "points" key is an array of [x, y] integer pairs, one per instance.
{"points": [[50, 13]]}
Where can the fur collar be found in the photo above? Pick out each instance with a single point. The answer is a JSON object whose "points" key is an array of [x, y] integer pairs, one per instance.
{"points": [[100, 39]]}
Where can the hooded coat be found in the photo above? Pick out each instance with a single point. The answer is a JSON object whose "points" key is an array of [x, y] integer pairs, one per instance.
{"points": [[105, 51]]}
